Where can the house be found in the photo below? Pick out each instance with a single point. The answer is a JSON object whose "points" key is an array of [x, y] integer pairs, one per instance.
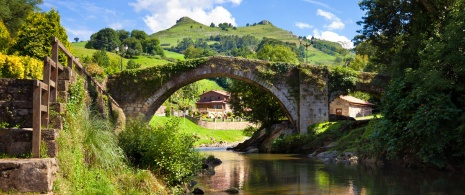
{"points": [[214, 103], [350, 106]]}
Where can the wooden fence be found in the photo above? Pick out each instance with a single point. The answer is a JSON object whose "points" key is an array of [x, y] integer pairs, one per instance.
{"points": [[45, 91]]}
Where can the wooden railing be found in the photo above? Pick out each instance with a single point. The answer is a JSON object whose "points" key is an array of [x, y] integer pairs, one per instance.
{"points": [[210, 110], [45, 91]]}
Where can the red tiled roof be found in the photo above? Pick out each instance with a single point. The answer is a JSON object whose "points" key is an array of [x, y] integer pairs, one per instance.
{"points": [[218, 91], [355, 100]]}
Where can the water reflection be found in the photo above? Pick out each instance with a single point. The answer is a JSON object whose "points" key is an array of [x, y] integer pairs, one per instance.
{"points": [[290, 174]]}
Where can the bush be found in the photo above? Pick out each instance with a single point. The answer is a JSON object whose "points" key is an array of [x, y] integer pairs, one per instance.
{"points": [[21, 67], [162, 150], [133, 65], [291, 144], [4, 38]]}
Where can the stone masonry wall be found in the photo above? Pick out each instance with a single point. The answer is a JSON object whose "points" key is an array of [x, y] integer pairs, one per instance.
{"points": [[16, 102], [220, 125]]}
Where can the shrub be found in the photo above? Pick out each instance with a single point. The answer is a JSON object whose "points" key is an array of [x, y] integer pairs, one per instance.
{"points": [[163, 150], [133, 65], [20, 67], [4, 38]]}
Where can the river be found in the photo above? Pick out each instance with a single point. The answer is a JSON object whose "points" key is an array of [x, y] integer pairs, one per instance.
{"points": [[260, 174]]}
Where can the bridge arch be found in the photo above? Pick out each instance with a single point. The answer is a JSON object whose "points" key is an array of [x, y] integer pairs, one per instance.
{"points": [[303, 98], [152, 103]]}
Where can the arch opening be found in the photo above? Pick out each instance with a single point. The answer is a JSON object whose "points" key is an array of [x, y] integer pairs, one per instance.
{"points": [[175, 84]]}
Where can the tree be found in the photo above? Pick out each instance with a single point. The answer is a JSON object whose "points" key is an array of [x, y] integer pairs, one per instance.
{"points": [[152, 46], [254, 103], [122, 34], [76, 39], [192, 52], [33, 38], [106, 38], [101, 58], [212, 25], [135, 46], [14, 13], [4, 38], [418, 44], [277, 53], [139, 35]]}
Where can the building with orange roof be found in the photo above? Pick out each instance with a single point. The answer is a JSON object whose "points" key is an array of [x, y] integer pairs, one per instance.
{"points": [[214, 103], [350, 106]]}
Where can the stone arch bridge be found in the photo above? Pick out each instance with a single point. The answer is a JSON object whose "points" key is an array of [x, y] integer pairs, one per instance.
{"points": [[302, 91]]}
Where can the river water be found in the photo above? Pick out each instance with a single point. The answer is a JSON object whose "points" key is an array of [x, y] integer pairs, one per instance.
{"points": [[293, 174]]}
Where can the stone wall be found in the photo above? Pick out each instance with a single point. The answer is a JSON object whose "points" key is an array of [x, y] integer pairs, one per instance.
{"points": [[220, 125], [18, 142], [27, 175], [16, 102]]}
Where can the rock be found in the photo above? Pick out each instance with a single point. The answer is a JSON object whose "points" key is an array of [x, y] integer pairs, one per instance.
{"points": [[212, 161], [27, 175], [327, 155], [198, 191], [347, 157], [252, 150], [232, 191]]}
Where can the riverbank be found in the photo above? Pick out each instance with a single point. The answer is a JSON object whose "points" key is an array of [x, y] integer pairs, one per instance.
{"points": [[204, 137]]}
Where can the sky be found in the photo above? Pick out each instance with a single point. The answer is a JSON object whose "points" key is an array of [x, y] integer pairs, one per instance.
{"points": [[333, 20]]}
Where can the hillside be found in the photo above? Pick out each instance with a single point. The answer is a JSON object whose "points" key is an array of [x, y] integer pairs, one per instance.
{"points": [[80, 51], [189, 28]]}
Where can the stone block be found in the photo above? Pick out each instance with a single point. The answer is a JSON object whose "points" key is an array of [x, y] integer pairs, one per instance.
{"points": [[52, 148], [27, 175], [18, 148], [49, 134], [63, 85]]}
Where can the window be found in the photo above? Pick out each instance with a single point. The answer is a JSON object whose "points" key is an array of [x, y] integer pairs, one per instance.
{"points": [[218, 97], [204, 98]]}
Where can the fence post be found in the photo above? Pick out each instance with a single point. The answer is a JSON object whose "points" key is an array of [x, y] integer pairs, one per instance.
{"points": [[36, 119]]}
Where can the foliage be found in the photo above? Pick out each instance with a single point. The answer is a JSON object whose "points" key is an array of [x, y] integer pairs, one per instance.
{"points": [[21, 67], [291, 143], [33, 38], [341, 80], [249, 131], [90, 160], [277, 53], [152, 46], [423, 108], [4, 38], [255, 103], [162, 150], [106, 38], [133, 65], [14, 13], [95, 70], [202, 135]]}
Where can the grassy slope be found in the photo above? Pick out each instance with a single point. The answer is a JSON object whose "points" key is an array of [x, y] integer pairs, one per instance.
{"points": [[205, 135], [183, 29], [80, 51]]}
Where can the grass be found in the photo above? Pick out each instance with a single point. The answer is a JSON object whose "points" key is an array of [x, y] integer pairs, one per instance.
{"points": [[206, 136], [147, 61], [369, 117], [183, 29], [90, 160]]}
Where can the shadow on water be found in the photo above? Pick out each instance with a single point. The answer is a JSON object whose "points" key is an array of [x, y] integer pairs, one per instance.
{"points": [[293, 174]]}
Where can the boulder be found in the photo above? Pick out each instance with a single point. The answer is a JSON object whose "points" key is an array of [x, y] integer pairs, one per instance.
{"points": [[198, 191], [27, 175], [232, 191]]}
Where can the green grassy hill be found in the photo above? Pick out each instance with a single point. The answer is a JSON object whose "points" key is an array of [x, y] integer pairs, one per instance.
{"points": [[80, 51], [188, 28]]}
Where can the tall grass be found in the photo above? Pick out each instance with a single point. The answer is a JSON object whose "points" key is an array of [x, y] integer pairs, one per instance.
{"points": [[90, 160]]}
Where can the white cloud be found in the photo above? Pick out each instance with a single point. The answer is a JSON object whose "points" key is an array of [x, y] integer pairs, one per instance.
{"points": [[302, 25], [164, 13], [321, 4], [335, 21], [333, 37]]}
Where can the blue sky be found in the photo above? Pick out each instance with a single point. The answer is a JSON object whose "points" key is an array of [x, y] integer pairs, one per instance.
{"points": [[333, 20]]}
